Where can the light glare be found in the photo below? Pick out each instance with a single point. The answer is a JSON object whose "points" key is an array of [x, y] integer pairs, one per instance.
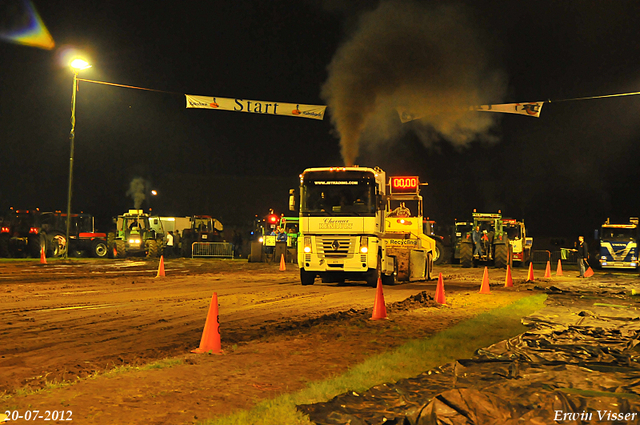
{"points": [[79, 64]]}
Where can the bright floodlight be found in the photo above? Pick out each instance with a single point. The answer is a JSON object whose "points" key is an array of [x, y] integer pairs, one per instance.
{"points": [[79, 64]]}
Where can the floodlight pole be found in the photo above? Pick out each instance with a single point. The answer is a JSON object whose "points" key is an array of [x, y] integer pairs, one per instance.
{"points": [[72, 137]]}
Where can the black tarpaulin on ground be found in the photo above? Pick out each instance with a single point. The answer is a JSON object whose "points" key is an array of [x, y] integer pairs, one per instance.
{"points": [[577, 364]]}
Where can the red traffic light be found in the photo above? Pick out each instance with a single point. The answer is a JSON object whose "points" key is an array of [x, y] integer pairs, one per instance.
{"points": [[273, 218]]}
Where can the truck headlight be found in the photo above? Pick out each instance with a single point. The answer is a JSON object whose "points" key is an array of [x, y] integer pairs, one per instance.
{"points": [[307, 244], [604, 257], [260, 239], [364, 244]]}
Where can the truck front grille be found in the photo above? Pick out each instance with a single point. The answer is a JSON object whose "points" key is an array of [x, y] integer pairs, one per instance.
{"points": [[335, 247]]}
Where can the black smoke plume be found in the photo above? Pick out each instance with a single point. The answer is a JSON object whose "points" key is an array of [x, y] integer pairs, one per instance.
{"points": [[425, 60], [137, 191]]}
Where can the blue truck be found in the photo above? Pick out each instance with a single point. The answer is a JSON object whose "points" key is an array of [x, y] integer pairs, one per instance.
{"points": [[619, 245]]}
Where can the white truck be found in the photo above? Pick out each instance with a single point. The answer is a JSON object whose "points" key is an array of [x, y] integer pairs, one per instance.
{"points": [[347, 230]]}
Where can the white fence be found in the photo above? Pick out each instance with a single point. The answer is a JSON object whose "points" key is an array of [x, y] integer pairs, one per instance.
{"points": [[212, 249]]}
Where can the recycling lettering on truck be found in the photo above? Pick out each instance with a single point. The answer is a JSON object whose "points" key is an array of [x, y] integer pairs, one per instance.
{"points": [[402, 242]]}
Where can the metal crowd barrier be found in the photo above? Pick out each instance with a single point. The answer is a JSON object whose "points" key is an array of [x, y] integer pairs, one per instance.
{"points": [[212, 249], [541, 256]]}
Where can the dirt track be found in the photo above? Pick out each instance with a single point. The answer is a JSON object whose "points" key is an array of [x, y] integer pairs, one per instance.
{"points": [[63, 321]]}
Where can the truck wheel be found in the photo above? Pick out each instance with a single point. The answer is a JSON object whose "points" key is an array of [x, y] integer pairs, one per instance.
{"points": [[501, 256], [4, 246], [99, 248], [373, 275], [466, 255], [121, 249], [307, 278], [151, 248]]}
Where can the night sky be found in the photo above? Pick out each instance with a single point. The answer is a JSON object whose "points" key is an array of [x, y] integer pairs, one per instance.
{"points": [[563, 173]]}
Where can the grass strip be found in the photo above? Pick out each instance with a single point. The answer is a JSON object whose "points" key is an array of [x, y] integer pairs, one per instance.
{"points": [[118, 370], [408, 360]]}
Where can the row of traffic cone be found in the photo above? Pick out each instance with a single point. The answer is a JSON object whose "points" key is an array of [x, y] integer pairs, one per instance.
{"points": [[547, 272]]}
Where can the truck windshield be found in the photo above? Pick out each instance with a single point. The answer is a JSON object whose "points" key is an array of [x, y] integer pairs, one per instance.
{"points": [[341, 194], [618, 234]]}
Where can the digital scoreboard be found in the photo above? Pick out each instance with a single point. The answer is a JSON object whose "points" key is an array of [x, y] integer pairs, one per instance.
{"points": [[404, 184]]}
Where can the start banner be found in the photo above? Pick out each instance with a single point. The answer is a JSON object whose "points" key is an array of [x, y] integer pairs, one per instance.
{"points": [[531, 109], [257, 106]]}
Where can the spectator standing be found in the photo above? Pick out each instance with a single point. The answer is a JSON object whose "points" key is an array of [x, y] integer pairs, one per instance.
{"points": [[477, 240], [169, 250], [582, 254], [176, 243], [281, 236]]}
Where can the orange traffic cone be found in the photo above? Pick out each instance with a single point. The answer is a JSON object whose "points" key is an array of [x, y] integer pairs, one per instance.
{"points": [[484, 289], [508, 280], [43, 257], [440, 298], [547, 272], [161, 267], [115, 252], [282, 265], [559, 269], [210, 341], [379, 308], [530, 274]]}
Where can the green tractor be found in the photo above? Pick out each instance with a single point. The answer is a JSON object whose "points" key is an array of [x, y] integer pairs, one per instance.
{"points": [[136, 235], [492, 244]]}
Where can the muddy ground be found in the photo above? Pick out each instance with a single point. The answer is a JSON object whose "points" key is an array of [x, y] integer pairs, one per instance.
{"points": [[66, 322]]}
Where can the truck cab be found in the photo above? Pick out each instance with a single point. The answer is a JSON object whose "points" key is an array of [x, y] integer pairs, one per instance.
{"points": [[342, 222], [619, 245]]}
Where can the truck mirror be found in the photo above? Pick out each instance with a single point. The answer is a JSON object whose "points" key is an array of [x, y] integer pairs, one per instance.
{"points": [[595, 234], [115, 220], [292, 200]]}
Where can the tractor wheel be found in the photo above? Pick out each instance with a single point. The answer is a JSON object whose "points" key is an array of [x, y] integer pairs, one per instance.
{"points": [[442, 254], [501, 258], [121, 248], [373, 275], [185, 250], [35, 244], [57, 244], [307, 278], [4, 246], [99, 248], [111, 239], [466, 255], [151, 248]]}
